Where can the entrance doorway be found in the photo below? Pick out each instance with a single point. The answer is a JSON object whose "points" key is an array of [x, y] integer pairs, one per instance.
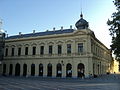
{"points": [[17, 69], [40, 69], [49, 70], [10, 69], [33, 70], [59, 70], [69, 70], [81, 70], [24, 69], [4, 69]]}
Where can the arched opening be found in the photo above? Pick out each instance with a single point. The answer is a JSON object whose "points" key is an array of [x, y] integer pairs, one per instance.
{"points": [[49, 70], [24, 69], [17, 69], [93, 69], [81, 70], [59, 70], [10, 69], [4, 69], [98, 69], [40, 69], [69, 70], [33, 70]]}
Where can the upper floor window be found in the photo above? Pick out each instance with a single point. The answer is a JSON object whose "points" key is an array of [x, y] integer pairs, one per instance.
{"points": [[6, 52], [19, 51], [50, 49], [26, 50], [68, 48], [80, 47], [59, 49], [12, 53], [41, 50], [34, 51]]}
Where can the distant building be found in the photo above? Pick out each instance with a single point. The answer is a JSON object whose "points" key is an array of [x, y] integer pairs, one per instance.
{"points": [[115, 66], [58, 53]]}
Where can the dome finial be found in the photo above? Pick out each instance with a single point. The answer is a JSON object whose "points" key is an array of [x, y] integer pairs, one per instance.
{"points": [[81, 15]]}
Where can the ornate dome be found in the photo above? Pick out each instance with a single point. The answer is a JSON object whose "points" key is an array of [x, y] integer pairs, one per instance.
{"points": [[82, 23]]}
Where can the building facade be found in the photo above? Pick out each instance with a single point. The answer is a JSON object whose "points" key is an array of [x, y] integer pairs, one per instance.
{"points": [[2, 43], [58, 53]]}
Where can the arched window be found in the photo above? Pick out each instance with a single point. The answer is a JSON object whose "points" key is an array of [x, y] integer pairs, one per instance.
{"points": [[24, 69], [98, 66], [40, 69], [11, 69], [17, 69], [59, 70], [69, 70], [33, 70], [4, 69], [81, 70], [49, 70]]}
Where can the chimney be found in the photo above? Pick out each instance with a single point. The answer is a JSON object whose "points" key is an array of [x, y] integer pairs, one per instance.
{"points": [[54, 29], [20, 33], [70, 26], [61, 27], [33, 31]]}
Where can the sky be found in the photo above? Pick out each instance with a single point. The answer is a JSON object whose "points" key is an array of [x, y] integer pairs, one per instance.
{"points": [[41, 15]]}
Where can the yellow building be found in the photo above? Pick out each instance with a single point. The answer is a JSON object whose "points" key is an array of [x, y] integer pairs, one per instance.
{"points": [[115, 66], [58, 53]]}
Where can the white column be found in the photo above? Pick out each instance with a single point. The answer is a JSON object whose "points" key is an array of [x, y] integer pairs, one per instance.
{"points": [[7, 69], [9, 51], [36, 69], [46, 49], [55, 49], [45, 70], [30, 50], [28, 69], [73, 47], [53, 70], [64, 71], [22, 50], [13, 73], [74, 70], [37, 50], [15, 51], [64, 48], [86, 70]]}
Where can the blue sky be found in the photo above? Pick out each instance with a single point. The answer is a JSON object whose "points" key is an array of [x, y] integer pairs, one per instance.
{"points": [[26, 15]]}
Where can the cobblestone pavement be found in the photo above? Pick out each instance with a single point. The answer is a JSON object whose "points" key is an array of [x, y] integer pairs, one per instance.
{"points": [[106, 82]]}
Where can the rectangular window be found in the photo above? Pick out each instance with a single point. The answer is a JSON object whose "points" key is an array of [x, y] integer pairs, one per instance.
{"points": [[68, 48], [6, 52], [19, 51], [80, 47], [12, 54], [34, 50], [41, 50], [59, 49], [26, 50], [50, 49]]}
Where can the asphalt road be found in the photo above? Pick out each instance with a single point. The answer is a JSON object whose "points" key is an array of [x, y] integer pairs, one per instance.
{"points": [[106, 82]]}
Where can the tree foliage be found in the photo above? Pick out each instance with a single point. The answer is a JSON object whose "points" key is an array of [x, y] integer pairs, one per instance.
{"points": [[115, 30]]}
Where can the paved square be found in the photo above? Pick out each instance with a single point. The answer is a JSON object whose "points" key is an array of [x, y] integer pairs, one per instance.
{"points": [[107, 82]]}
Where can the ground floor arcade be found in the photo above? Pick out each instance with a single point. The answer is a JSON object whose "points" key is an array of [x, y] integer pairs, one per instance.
{"points": [[61, 68]]}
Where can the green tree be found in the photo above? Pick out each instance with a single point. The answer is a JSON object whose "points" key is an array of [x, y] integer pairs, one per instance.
{"points": [[115, 30]]}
